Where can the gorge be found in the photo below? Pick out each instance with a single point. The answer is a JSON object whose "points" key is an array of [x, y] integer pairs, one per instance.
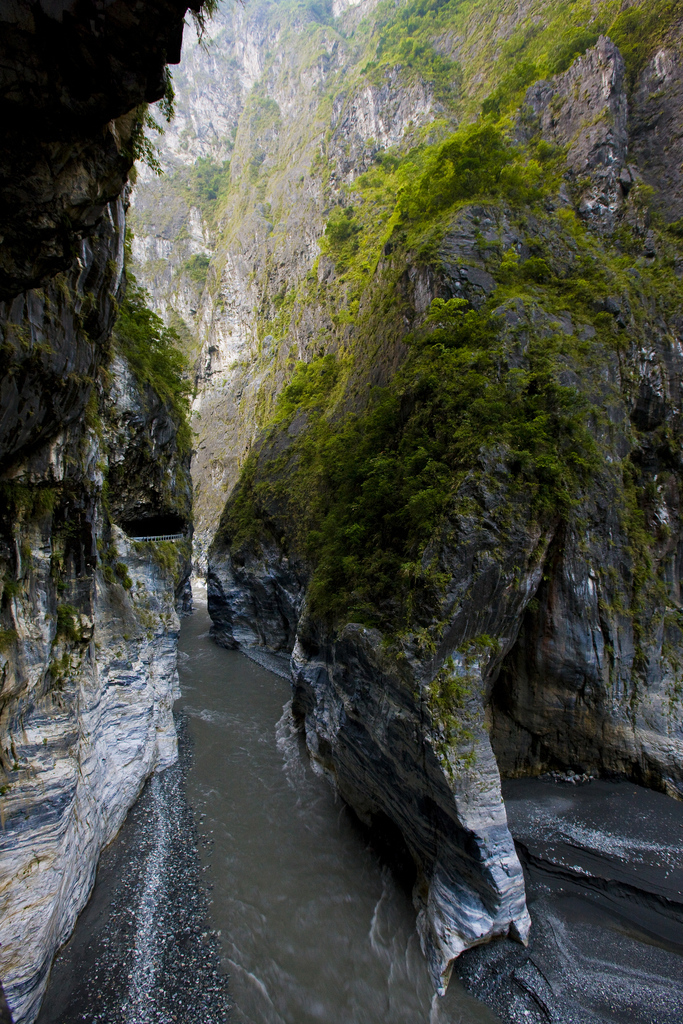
{"points": [[423, 261]]}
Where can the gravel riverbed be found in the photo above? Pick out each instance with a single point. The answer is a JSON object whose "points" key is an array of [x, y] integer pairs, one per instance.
{"points": [[142, 952]]}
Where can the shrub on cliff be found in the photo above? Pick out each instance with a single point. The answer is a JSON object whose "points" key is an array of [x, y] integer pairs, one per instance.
{"points": [[152, 351], [366, 493]]}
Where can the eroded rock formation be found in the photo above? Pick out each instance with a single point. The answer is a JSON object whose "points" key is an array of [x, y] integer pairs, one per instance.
{"points": [[88, 622], [72, 79]]}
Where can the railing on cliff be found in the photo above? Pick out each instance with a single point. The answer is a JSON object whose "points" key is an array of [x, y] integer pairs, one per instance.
{"points": [[161, 536]]}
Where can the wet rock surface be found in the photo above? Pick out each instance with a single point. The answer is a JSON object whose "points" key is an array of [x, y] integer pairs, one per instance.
{"points": [[604, 873], [142, 951], [382, 749], [88, 625], [88, 681]]}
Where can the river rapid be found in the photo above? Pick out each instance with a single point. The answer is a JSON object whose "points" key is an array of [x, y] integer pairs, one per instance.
{"points": [[242, 864]]}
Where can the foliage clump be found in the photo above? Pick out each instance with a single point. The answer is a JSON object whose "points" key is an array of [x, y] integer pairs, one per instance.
{"points": [[170, 556], [311, 385], [639, 30], [364, 485], [446, 699], [371, 489], [565, 52], [68, 623], [8, 637], [29, 501], [155, 358], [197, 267], [209, 182]]}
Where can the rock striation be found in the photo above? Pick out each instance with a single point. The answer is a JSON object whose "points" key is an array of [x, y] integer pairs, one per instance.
{"points": [[88, 620], [88, 659], [385, 752], [586, 110]]}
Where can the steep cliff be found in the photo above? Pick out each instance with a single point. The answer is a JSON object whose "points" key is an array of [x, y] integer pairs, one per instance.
{"points": [[431, 259], [92, 446], [73, 80]]}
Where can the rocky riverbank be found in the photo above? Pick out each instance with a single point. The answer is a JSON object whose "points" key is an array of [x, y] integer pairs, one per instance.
{"points": [[603, 863], [143, 952]]}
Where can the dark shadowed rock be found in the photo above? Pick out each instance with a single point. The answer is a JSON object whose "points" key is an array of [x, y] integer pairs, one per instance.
{"points": [[71, 79]]}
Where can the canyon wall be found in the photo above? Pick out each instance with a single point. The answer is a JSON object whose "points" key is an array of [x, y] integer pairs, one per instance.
{"points": [[430, 262], [89, 448]]}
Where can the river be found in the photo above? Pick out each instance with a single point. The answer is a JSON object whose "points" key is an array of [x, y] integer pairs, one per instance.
{"points": [[302, 916], [241, 889], [313, 928]]}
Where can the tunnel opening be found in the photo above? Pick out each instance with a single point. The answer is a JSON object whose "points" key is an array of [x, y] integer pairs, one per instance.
{"points": [[155, 526]]}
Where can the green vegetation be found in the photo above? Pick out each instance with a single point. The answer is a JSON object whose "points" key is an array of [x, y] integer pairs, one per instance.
{"points": [[369, 492], [204, 14], [12, 589], [141, 146], [208, 183], [400, 203], [197, 267], [446, 698], [310, 387], [117, 572], [404, 40], [478, 160], [68, 623], [155, 359], [24, 501], [59, 669], [365, 483], [564, 53], [8, 637], [639, 31], [341, 229], [366, 495], [170, 556]]}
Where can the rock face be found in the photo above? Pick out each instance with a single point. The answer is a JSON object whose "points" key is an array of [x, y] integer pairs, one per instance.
{"points": [[597, 649], [88, 658], [586, 109], [385, 752], [656, 144], [610, 668], [221, 259], [550, 641], [54, 342], [88, 621], [71, 84]]}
